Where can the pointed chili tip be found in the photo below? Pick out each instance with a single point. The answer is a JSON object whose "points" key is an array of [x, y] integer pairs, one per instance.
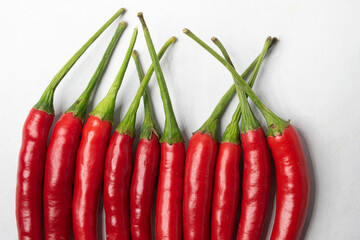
{"points": [[186, 31], [123, 23], [214, 39]]}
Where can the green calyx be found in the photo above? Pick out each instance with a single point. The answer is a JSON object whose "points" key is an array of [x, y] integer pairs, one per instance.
{"points": [[127, 126], [249, 121], [79, 107], [211, 124], [46, 100], [232, 131], [105, 109], [276, 125], [231, 134], [172, 133]]}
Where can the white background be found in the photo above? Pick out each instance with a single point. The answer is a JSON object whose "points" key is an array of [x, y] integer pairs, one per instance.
{"points": [[310, 77]]}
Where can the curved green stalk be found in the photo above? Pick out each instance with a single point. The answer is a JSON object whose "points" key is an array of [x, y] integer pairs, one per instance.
{"points": [[249, 121], [210, 126], [171, 132], [46, 100], [276, 125], [105, 109], [149, 126], [127, 126], [79, 107]]}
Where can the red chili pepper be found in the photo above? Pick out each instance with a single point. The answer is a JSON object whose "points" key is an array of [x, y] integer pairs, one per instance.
{"points": [[227, 173], [30, 174], [118, 168], [91, 158], [32, 155], [226, 194], [198, 181], [292, 175], [146, 164], [292, 182], [170, 185], [199, 174], [256, 175], [61, 156]]}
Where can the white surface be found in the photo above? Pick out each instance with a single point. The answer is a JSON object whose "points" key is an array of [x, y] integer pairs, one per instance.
{"points": [[311, 77]]}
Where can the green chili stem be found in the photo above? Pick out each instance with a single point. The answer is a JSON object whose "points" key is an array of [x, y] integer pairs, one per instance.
{"points": [[105, 109], [210, 126], [249, 121], [146, 99], [276, 125], [237, 114], [127, 126], [46, 100], [172, 132], [232, 131], [80, 105]]}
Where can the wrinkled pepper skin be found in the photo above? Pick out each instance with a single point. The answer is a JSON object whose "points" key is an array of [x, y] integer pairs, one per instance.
{"points": [[226, 194], [89, 174], [59, 176], [256, 184], [292, 184], [29, 188], [117, 176], [198, 186], [170, 192], [142, 188]]}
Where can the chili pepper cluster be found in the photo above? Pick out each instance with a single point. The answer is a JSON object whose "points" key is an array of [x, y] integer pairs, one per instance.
{"points": [[198, 191]]}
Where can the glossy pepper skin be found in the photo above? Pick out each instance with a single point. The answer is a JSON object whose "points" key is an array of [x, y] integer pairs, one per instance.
{"points": [[117, 176], [172, 153], [146, 162], [226, 194], [292, 184], [200, 167], [91, 156], [59, 176], [290, 163], [142, 188], [256, 184], [61, 155], [30, 174], [198, 186], [29, 192], [89, 177], [170, 192]]}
